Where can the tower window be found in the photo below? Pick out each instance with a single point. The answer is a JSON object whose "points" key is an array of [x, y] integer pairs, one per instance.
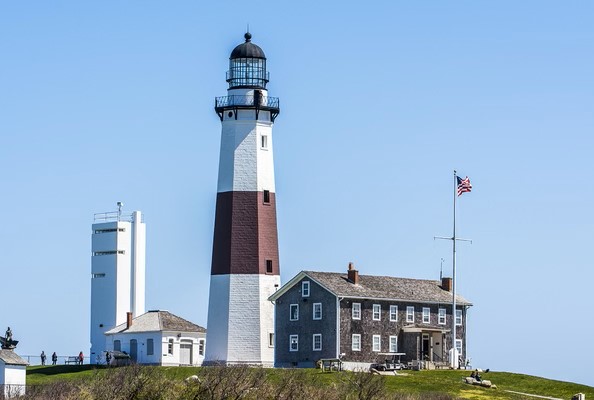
{"points": [[267, 197], [98, 275], [264, 141], [269, 266]]}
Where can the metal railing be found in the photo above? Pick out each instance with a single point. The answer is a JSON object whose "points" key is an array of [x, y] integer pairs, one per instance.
{"points": [[246, 101], [36, 360], [113, 216]]}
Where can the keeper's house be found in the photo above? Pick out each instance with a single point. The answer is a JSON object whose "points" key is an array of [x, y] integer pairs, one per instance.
{"points": [[359, 318]]}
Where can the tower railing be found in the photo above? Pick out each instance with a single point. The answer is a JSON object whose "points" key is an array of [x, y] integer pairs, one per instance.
{"points": [[247, 101], [112, 216]]}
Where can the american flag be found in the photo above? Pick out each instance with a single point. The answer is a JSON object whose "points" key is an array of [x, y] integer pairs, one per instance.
{"points": [[463, 185]]}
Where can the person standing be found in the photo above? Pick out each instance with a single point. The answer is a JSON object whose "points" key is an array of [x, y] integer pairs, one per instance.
{"points": [[81, 358], [54, 358], [42, 357]]}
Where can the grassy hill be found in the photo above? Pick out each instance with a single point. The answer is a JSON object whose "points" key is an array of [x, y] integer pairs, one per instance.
{"points": [[420, 384]]}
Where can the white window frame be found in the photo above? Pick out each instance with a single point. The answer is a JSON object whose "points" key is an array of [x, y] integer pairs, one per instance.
{"points": [[293, 339], [313, 344], [376, 343], [393, 313], [319, 307], [356, 342], [291, 307], [356, 311], [459, 346], [410, 313], [393, 344], [305, 286], [441, 316], [377, 312], [426, 315], [458, 317]]}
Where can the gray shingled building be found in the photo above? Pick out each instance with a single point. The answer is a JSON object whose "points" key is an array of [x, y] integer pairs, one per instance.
{"points": [[359, 318]]}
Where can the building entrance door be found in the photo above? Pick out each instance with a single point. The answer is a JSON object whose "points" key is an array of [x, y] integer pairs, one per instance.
{"points": [[133, 350], [185, 353], [425, 347]]}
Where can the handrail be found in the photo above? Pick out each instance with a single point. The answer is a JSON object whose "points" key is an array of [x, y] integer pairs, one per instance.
{"points": [[246, 101]]}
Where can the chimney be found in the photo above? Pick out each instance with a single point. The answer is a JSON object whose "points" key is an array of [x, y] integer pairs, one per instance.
{"points": [[446, 284], [353, 274], [128, 320]]}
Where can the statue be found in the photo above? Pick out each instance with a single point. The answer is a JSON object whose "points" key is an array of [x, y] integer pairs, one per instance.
{"points": [[7, 342]]}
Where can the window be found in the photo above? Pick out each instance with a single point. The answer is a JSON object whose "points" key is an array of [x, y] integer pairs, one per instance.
{"points": [[170, 347], [441, 316], [270, 339], [376, 344], [201, 347], [117, 345], [269, 266], [267, 197], [459, 346], [356, 342], [110, 230], [393, 313], [108, 253], [98, 275], [426, 315], [317, 311], [264, 141], [410, 314], [317, 342], [150, 347], [377, 310], [458, 317], [393, 344], [293, 342], [294, 312], [356, 310], [305, 289]]}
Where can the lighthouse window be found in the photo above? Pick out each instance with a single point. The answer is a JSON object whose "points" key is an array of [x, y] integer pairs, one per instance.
{"points": [[269, 266], [267, 196], [264, 141]]}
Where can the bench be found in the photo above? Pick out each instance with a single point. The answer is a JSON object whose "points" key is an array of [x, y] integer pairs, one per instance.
{"points": [[330, 364], [71, 360]]}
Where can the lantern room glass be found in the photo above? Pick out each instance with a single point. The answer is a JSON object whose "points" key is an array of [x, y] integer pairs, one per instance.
{"points": [[247, 72]]}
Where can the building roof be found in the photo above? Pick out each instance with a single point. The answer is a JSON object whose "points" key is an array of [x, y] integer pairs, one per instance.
{"points": [[11, 358], [378, 287], [156, 321], [247, 49]]}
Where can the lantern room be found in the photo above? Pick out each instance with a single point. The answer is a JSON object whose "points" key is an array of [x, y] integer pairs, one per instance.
{"points": [[247, 66]]}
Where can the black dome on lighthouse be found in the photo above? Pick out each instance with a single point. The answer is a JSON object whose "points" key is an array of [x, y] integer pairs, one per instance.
{"points": [[247, 49]]}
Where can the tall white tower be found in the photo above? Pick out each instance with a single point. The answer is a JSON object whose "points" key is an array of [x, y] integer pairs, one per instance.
{"points": [[117, 273], [245, 264]]}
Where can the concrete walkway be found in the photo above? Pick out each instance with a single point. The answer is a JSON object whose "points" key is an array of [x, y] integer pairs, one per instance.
{"points": [[533, 395]]}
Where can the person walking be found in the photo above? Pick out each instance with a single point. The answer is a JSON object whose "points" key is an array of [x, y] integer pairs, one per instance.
{"points": [[54, 358], [42, 357]]}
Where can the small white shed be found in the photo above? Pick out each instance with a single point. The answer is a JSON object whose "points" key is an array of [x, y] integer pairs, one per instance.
{"points": [[158, 338], [13, 374]]}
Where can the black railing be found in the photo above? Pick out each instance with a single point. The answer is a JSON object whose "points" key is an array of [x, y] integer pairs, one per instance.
{"points": [[247, 101]]}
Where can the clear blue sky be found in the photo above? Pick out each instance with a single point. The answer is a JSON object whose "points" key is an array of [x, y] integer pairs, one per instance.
{"points": [[113, 101]]}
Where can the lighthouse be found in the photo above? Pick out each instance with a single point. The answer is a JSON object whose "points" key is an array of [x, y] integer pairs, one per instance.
{"points": [[245, 263]]}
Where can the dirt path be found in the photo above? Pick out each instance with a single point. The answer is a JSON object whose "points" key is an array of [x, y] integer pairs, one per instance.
{"points": [[533, 395]]}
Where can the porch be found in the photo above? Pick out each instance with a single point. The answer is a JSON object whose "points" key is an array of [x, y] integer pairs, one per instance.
{"points": [[426, 347]]}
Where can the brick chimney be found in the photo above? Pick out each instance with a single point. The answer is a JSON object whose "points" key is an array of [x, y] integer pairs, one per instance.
{"points": [[446, 284], [128, 320], [353, 274]]}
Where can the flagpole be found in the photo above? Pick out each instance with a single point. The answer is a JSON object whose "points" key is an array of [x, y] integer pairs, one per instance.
{"points": [[454, 362]]}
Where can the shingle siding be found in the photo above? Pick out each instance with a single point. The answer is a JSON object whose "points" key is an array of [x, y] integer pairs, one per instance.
{"points": [[305, 327]]}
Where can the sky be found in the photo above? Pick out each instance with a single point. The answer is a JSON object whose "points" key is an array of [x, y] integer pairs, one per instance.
{"points": [[380, 101]]}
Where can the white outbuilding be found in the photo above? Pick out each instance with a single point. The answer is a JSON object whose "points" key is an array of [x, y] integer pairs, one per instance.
{"points": [[158, 338], [13, 374]]}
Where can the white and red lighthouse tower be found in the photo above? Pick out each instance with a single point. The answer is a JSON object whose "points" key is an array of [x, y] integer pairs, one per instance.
{"points": [[245, 262]]}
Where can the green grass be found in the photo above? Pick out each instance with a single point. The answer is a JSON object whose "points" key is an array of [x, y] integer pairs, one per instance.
{"points": [[411, 382]]}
